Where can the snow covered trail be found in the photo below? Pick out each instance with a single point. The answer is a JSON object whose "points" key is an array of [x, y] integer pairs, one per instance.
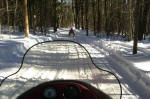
{"points": [[102, 58], [58, 60], [104, 53], [135, 84], [110, 55]]}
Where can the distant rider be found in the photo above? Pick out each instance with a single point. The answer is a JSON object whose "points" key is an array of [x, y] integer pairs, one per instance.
{"points": [[71, 32]]}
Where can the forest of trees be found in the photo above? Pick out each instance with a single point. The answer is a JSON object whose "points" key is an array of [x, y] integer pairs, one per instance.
{"points": [[129, 18]]}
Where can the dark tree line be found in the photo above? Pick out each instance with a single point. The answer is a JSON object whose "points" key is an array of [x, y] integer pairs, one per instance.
{"points": [[112, 16], [42, 14], [49, 13], [129, 18]]}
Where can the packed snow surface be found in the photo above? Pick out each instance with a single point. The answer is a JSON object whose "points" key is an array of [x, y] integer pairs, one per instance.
{"points": [[111, 54]]}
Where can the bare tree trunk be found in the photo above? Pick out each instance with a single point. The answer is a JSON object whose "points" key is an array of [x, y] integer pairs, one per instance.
{"points": [[105, 13], [8, 19], [26, 19], [145, 9], [82, 12], [74, 12], [61, 15], [16, 4], [130, 19], [0, 23], [137, 24], [0, 27], [7, 12], [55, 16], [99, 17], [94, 16], [86, 17], [77, 14], [0, 18]]}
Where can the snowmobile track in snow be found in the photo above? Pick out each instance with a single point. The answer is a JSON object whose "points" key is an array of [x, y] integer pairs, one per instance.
{"points": [[63, 55]]}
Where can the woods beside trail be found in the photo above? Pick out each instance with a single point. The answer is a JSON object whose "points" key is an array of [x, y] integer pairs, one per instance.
{"points": [[128, 18]]}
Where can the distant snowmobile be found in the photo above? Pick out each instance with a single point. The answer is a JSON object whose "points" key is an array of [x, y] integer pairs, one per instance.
{"points": [[71, 32]]}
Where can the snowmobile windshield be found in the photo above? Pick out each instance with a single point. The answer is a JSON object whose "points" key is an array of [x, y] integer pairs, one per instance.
{"points": [[58, 60]]}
